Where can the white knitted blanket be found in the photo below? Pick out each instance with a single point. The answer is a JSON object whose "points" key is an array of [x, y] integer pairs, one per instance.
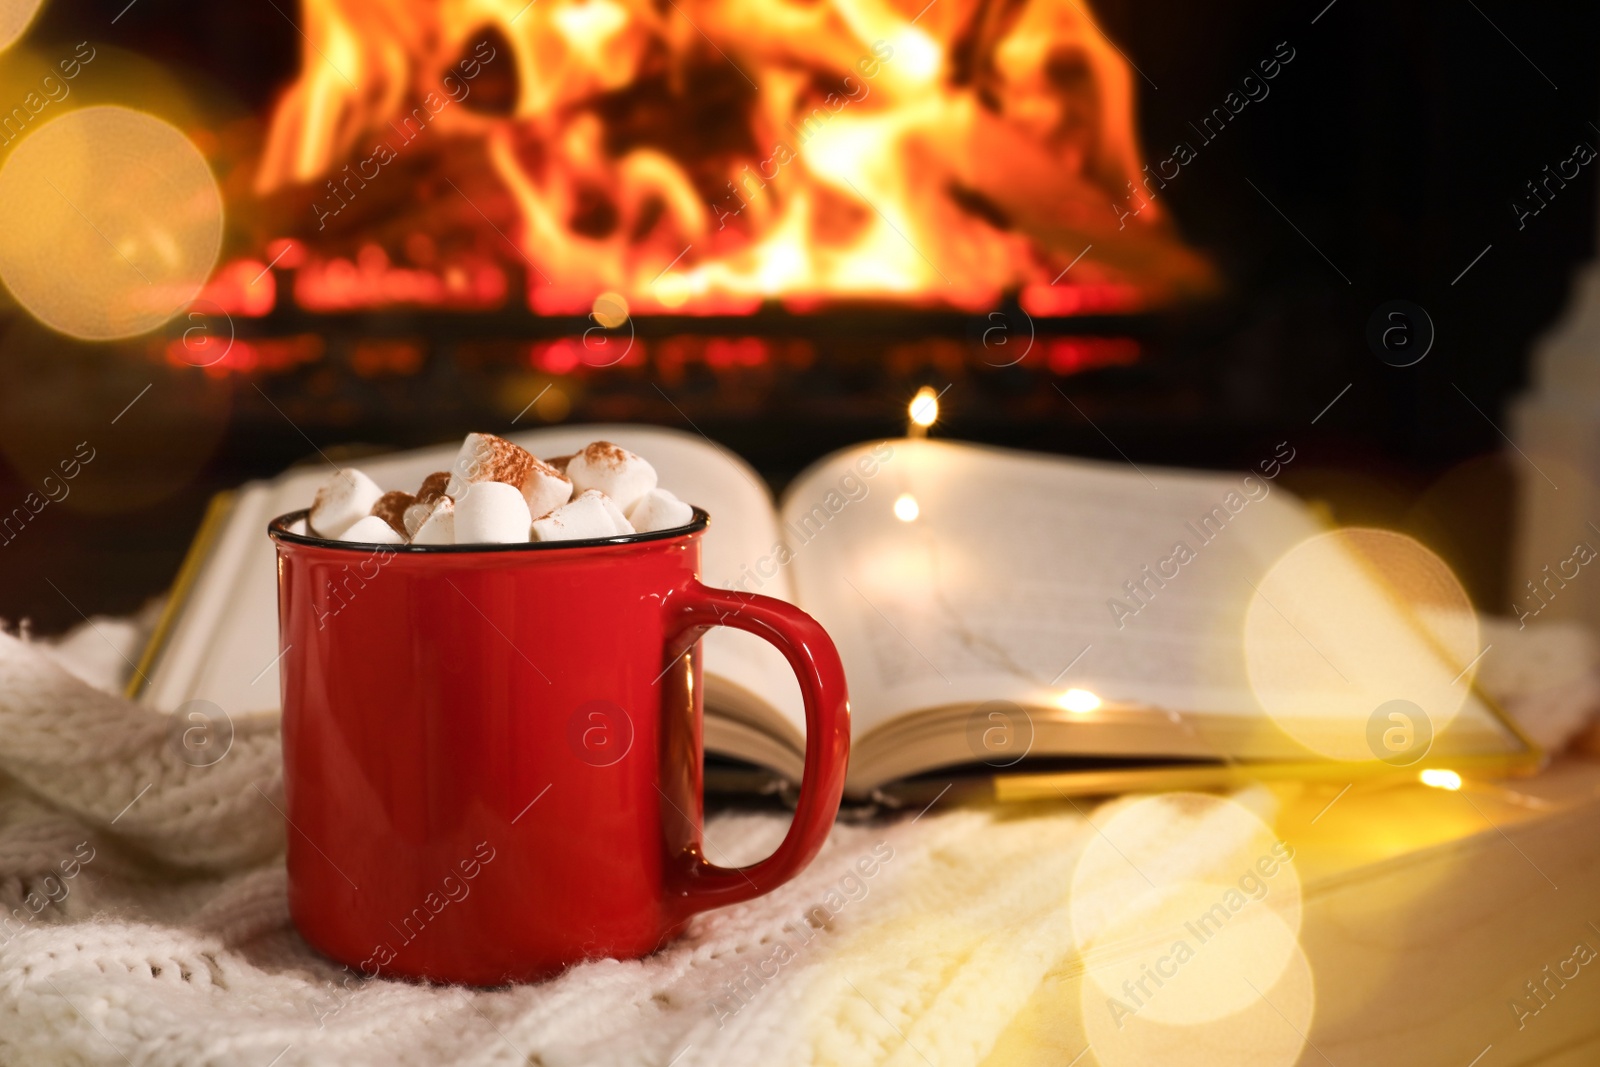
{"points": [[143, 918]]}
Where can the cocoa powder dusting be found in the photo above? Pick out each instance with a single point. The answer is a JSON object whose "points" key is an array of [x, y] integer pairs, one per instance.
{"points": [[507, 462], [549, 469], [391, 508], [433, 487], [604, 452]]}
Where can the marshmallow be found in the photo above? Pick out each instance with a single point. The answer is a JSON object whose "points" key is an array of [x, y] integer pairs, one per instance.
{"points": [[439, 527], [491, 513], [433, 487], [487, 458], [372, 530], [343, 500], [545, 489], [298, 526], [659, 510], [616, 472], [391, 508], [617, 517], [417, 514], [497, 492], [587, 516]]}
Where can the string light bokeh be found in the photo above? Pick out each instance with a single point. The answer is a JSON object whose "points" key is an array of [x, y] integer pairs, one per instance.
{"points": [[112, 222], [15, 17], [1186, 909], [1350, 620]]}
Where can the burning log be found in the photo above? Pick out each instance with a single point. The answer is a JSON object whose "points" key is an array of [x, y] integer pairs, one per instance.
{"points": [[711, 154]]}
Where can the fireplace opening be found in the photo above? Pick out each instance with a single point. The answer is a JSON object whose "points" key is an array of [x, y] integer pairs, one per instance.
{"points": [[777, 222], [785, 217], [713, 159]]}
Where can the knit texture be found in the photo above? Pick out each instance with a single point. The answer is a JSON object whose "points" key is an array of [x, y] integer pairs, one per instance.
{"points": [[143, 917]]}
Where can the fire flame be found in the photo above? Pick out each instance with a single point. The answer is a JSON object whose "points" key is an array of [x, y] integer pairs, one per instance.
{"points": [[707, 155]]}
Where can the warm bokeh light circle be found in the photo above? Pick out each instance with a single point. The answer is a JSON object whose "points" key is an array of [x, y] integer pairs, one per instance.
{"points": [[1399, 733], [1179, 953], [1350, 621], [112, 222], [610, 310], [1179, 897], [1186, 911], [15, 17], [1270, 1030]]}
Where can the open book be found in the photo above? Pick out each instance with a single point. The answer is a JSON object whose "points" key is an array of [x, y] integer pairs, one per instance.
{"points": [[995, 611]]}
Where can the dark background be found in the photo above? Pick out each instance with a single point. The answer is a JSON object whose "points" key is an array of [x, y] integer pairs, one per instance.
{"points": [[1395, 141]]}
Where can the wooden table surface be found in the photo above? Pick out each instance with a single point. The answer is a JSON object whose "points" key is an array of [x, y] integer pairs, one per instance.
{"points": [[1426, 914]]}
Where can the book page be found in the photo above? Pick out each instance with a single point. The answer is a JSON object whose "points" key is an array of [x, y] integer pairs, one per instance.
{"points": [[1021, 576], [224, 647]]}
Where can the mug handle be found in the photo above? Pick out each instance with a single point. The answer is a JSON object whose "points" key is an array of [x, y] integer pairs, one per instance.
{"points": [[695, 609]]}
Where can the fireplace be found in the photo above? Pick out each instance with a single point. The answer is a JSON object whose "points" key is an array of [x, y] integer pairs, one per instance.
{"points": [[714, 158], [774, 223]]}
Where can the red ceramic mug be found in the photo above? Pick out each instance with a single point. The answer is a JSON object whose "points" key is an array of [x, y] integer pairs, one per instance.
{"points": [[491, 753]]}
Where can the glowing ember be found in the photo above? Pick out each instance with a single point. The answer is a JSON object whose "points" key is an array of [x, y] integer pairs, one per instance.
{"points": [[707, 155], [369, 280]]}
